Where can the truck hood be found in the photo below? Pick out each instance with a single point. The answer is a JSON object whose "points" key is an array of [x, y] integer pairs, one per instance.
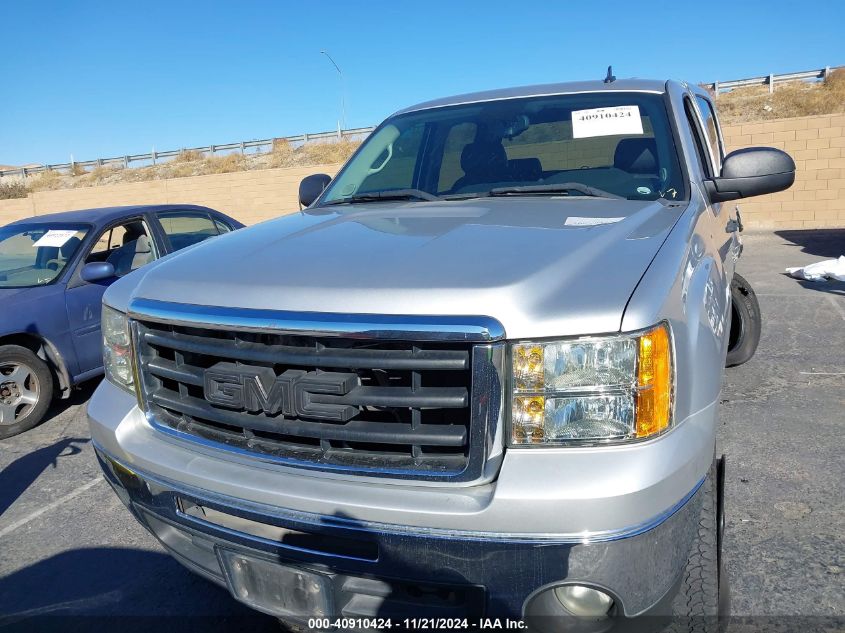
{"points": [[540, 266]]}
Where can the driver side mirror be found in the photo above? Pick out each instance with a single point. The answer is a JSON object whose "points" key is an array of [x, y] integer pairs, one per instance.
{"points": [[752, 172], [97, 271], [311, 187]]}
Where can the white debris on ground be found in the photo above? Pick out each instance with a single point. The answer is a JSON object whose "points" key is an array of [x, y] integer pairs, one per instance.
{"points": [[820, 271]]}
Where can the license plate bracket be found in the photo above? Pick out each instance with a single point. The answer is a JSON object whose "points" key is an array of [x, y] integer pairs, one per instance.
{"points": [[275, 588]]}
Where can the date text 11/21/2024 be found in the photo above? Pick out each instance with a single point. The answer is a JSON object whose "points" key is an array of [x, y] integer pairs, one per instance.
{"points": [[417, 623]]}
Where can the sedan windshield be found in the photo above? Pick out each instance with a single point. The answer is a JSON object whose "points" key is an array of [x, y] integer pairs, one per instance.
{"points": [[600, 144], [36, 254]]}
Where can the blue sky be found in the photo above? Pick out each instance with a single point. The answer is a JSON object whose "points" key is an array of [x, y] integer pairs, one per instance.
{"points": [[102, 79]]}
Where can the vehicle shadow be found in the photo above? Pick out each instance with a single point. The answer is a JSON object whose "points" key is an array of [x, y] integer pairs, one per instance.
{"points": [[827, 243], [21, 473], [78, 396], [119, 589], [830, 286]]}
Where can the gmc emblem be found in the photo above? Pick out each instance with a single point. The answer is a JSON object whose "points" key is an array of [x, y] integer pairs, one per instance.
{"points": [[260, 389]]}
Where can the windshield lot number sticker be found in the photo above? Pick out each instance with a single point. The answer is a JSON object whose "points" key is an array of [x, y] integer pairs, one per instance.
{"points": [[54, 238], [606, 121]]}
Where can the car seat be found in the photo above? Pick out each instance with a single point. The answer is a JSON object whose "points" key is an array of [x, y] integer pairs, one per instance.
{"points": [[482, 161], [636, 156], [525, 169], [133, 254]]}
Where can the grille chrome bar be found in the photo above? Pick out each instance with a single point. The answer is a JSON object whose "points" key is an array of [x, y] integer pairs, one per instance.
{"points": [[479, 329], [285, 354], [419, 409]]}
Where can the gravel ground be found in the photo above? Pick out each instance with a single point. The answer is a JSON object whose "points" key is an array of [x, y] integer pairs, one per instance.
{"points": [[67, 545]]}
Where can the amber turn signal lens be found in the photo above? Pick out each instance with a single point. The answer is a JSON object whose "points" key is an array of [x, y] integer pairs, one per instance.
{"points": [[654, 382]]}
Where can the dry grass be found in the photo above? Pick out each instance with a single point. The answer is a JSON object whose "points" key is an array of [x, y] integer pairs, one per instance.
{"points": [[13, 189], [285, 155], [191, 163], [98, 176], [328, 153], [188, 156], [792, 99], [47, 181], [282, 154], [225, 164]]}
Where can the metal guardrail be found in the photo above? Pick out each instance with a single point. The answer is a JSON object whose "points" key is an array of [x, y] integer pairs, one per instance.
{"points": [[242, 147], [771, 80]]}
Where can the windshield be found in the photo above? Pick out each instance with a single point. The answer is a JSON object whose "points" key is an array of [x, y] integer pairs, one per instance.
{"points": [[36, 254], [613, 144]]}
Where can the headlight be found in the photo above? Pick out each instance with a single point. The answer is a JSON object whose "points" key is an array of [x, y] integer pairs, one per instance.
{"points": [[592, 389], [117, 349]]}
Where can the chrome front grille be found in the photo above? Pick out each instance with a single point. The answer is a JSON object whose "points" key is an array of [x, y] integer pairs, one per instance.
{"points": [[369, 405]]}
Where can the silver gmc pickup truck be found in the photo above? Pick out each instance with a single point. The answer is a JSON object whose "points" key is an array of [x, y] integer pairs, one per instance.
{"points": [[477, 376]]}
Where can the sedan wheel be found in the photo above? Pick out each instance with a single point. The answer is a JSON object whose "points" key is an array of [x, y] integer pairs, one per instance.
{"points": [[26, 389], [19, 392]]}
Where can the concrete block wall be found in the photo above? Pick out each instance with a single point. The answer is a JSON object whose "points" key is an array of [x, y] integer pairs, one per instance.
{"points": [[249, 196], [817, 199]]}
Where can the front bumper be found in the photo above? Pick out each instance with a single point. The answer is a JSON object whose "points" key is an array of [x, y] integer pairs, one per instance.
{"points": [[378, 570], [621, 519]]}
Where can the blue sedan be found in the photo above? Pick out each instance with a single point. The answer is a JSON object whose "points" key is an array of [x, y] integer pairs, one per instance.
{"points": [[53, 272]]}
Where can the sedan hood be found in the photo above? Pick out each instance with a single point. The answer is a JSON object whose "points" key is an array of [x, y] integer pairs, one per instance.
{"points": [[20, 307], [540, 266], [16, 294], [10, 297]]}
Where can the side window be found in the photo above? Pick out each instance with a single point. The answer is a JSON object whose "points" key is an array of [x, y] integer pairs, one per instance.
{"points": [[127, 246], [711, 130], [185, 228], [222, 227], [108, 241], [700, 143]]}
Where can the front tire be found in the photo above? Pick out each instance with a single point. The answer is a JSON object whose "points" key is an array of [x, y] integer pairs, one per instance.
{"points": [[702, 596], [26, 390], [746, 323]]}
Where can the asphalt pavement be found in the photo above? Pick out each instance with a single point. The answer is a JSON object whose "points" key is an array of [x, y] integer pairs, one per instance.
{"points": [[68, 546]]}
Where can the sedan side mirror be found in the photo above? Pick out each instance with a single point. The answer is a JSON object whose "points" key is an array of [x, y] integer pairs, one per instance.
{"points": [[752, 172], [97, 271], [311, 187]]}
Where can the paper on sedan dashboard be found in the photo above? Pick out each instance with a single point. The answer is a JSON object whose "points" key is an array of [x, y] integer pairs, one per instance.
{"points": [[606, 121], [575, 220], [54, 238]]}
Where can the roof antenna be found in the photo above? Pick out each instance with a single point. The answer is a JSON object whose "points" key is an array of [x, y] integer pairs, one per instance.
{"points": [[610, 77]]}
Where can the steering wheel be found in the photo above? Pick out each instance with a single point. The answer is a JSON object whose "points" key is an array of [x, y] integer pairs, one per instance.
{"points": [[54, 264]]}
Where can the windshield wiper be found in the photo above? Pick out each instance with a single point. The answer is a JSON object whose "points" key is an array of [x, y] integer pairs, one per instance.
{"points": [[467, 196], [389, 194], [564, 187]]}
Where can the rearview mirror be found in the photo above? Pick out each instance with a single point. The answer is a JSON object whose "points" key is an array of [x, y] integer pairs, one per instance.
{"points": [[311, 187], [97, 271], [752, 172]]}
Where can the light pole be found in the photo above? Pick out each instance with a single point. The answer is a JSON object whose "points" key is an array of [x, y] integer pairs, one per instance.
{"points": [[342, 121]]}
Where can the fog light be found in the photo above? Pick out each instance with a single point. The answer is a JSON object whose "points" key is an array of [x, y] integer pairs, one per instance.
{"points": [[584, 601]]}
